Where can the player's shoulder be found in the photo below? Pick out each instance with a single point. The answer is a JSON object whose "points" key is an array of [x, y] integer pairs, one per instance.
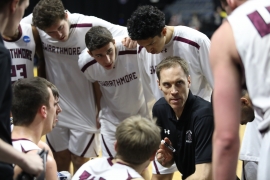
{"points": [[123, 50], [189, 35], [85, 60]]}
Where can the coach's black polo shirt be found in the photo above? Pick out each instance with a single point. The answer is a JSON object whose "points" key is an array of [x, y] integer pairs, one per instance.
{"points": [[191, 135]]}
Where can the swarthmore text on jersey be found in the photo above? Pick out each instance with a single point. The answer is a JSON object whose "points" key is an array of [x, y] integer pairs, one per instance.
{"points": [[21, 53], [62, 50], [120, 81]]}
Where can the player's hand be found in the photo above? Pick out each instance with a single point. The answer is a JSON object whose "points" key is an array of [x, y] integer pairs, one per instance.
{"points": [[32, 163], [164, 154], [129, 43]]}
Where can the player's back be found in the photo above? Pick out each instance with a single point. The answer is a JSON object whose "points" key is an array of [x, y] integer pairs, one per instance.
{"points": [[250, 23], [104, 168]]}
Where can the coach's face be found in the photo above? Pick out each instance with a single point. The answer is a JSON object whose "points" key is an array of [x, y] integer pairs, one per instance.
{"points": [[105, 56], [175, 86]]}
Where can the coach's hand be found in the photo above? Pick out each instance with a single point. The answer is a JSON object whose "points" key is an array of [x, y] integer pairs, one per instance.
{"points": [[164, 154]]}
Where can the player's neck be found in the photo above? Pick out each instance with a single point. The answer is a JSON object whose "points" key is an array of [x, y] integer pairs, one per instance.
{"points": [[4, 21], [27, 133], [11, 35], [169, 33], [139, 168]]}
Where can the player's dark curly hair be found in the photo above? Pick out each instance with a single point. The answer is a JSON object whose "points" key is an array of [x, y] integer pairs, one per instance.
{"points": [[146, 22], [47, 12]]}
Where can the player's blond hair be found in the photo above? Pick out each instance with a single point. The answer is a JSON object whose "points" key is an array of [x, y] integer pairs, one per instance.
{"points": [[137, 139]]}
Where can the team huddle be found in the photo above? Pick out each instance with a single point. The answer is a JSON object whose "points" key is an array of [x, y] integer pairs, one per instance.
{"points": [[144, 93]]}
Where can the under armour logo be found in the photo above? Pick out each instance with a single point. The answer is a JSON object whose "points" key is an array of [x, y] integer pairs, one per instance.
{"points": [[166, 131], [164, 50]]}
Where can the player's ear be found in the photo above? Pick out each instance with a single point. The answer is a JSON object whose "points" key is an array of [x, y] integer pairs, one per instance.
{"points": [[113, 41], [232, 4], [164, 31], [90, 53], [244, 101], [13, 5], [43, 111], [152, 157], [66, 15], [115, 146]]}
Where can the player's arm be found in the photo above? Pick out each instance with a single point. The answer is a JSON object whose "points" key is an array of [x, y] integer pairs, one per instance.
{"points": [[224, 62], [39, 53], [204, 60], [97, 95], [116, 30], [202, 172]]}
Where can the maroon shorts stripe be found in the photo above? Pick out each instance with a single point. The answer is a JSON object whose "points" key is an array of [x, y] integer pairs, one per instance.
{"points": [[88, 145], [192, 43], [107, 149], [156, 168], [48, 142]]}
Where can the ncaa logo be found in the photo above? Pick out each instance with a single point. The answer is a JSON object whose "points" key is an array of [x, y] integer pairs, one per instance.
{"points": [[26, 39]]}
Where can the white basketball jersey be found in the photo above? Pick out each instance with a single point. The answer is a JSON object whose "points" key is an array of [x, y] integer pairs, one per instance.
{"points": [[22, 51], [192, 46], [250, 24], [76, 92], [24, 145], [122, 93], [104, 169]]}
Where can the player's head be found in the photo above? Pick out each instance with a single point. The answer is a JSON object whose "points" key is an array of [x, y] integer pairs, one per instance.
{"points": [[16, 11], [174, 81], [51, 17], [35, 98], [101, 46], [147, 26], [137, 140], [247, 111]]}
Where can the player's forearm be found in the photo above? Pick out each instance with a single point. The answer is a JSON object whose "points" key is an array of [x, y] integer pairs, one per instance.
{"points": [[8, 154], [225, 153]]}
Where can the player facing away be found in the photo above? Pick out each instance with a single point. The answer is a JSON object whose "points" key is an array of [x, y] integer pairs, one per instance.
{"points": [[22, 44], [243, 59], [75, 137], [137, 140], [35, 109], [158, 41], [115, 68]]}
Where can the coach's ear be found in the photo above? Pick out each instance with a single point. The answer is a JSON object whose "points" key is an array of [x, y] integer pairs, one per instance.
{"points": [[115, 146]]}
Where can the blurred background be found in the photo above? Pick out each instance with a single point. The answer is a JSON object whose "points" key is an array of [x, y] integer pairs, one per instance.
{"points": [[203, 15]]}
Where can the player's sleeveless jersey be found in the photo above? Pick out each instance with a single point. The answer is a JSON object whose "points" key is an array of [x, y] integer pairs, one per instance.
{"points": [[103, 168], [76, 92], [22, 51], [122, 93], [250, 24], [24, 145], [190, 45]]}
